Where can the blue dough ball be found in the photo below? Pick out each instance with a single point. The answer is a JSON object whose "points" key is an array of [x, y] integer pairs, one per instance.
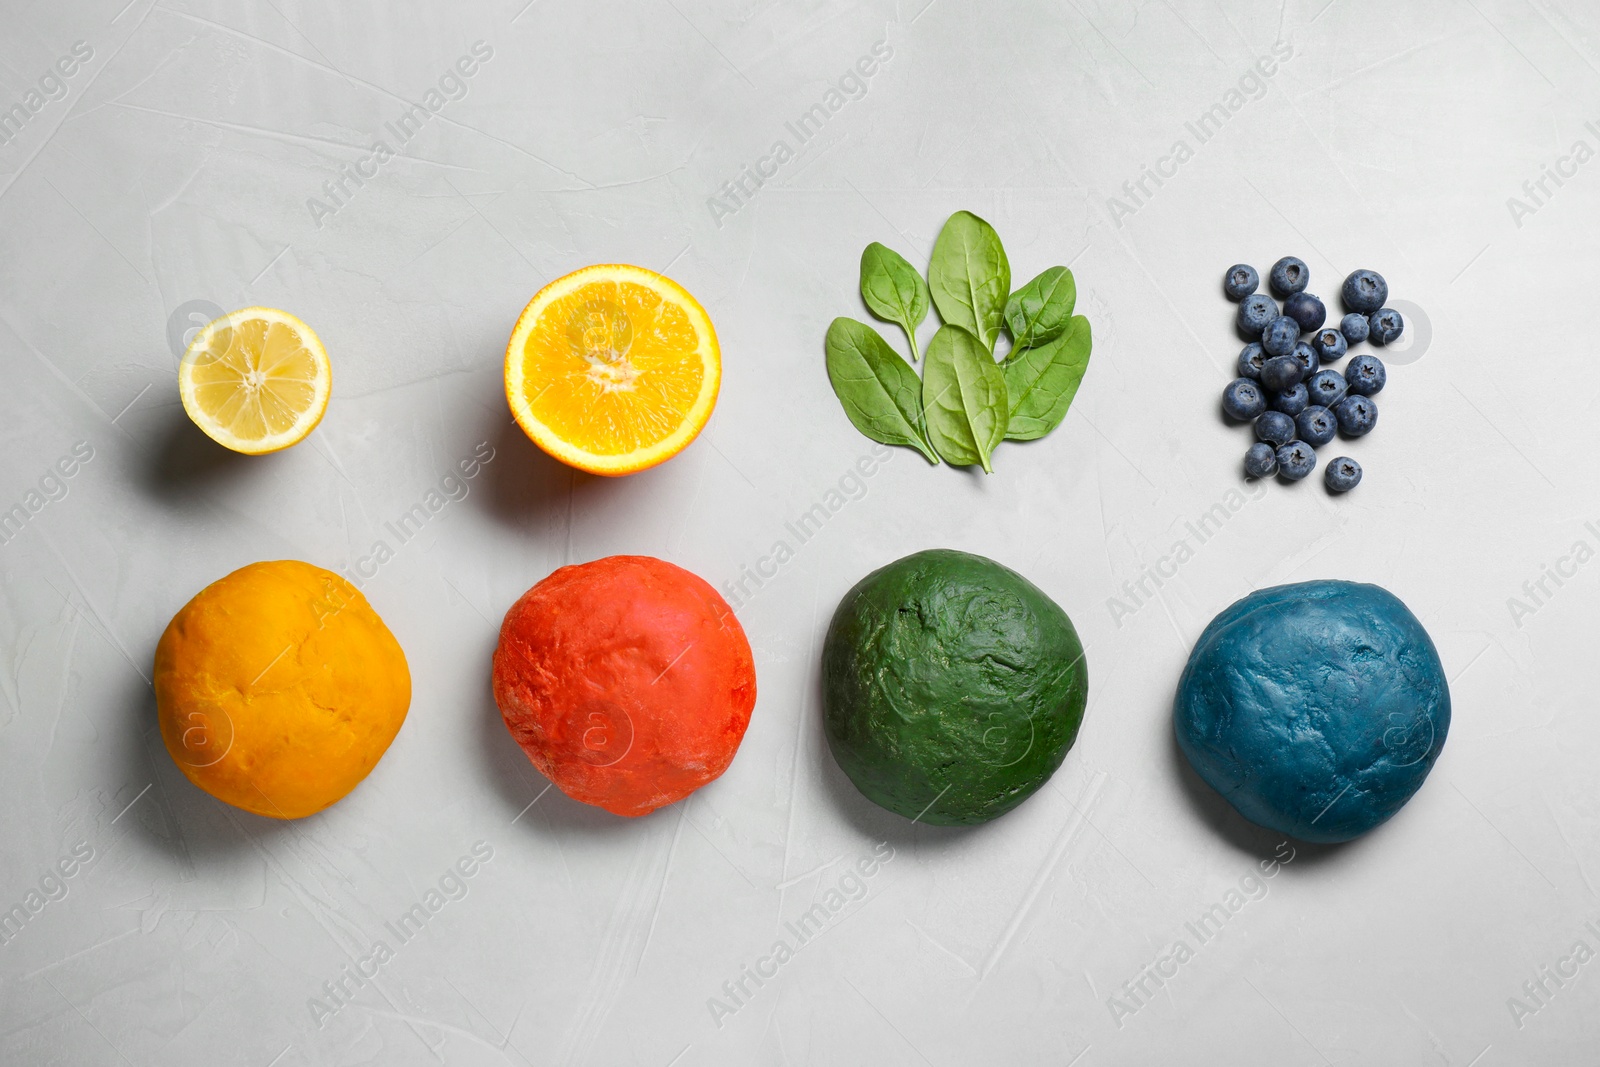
{"points": [[1315, 709]]}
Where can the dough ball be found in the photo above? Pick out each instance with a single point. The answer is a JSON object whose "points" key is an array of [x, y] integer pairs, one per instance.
{"points": [[1315, 709], [278, 688], [952, 687], [627, 681]]}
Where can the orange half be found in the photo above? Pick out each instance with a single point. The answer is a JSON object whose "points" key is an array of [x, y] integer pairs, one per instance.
{"points": [[613, 369]]}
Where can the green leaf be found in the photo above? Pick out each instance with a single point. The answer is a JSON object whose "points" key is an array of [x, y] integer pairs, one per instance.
{"points": [[879, 390], [893, 290], [963, 398], [1040, 310], [1042, 381], [970, 277]]}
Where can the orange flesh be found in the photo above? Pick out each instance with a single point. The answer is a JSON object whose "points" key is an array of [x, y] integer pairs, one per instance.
{"points": [[610, 358]]}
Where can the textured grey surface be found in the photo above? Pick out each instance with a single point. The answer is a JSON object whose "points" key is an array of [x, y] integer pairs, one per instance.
{"points": [[174, 174]]}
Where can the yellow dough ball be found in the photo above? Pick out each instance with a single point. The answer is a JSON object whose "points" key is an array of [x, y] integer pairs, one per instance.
{"points": [[278, 688]]}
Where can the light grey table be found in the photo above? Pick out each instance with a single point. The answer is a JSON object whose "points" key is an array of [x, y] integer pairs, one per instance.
{"points": [[188, 155]]}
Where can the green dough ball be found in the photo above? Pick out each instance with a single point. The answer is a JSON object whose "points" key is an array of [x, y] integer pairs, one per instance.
{"points": [[952, 687]]}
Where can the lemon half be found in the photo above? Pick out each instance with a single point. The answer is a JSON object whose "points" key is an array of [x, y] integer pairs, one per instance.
{"points": [[256, 380]]}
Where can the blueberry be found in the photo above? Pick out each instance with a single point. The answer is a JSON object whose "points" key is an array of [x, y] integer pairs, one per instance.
{"points": [[1291, 401], [1296, 460], [1288, 275], [1327, 388], [1342, 475], [1354, 327], [1243, 400], [1240, 281], [1307, 358], [1261, 461], [1384, 327], [1330, 345], [1316, 425], [1307, 310], [1251, 360], [1255, 311], [1366, 375], [1280, 373], [1279, 335], [1365, 290], [1357, 416], [1275, 428]]}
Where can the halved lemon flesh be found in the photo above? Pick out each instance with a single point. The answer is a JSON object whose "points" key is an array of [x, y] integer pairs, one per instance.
{"points": [[256, 380], [613, 369]]}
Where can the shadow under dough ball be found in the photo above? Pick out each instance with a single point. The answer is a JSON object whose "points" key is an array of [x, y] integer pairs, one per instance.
{"points": [[1315, 709], [952, 687]]}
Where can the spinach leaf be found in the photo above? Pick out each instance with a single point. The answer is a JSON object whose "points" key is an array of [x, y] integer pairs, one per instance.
{"points": [[878, 389], [1040, 310], [1041, 382], [963, 398], [970, 277], [893, 290]]}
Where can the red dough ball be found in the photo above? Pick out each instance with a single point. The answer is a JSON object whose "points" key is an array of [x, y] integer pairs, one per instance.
{"points": [[627, 681]]}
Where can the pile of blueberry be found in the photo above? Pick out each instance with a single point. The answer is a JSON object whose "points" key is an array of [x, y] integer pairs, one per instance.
{"points": [[1296, 405]]}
